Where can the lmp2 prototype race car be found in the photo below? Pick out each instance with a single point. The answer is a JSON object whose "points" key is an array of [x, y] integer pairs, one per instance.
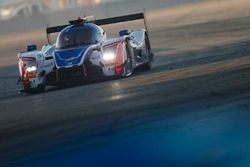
{"points": [[83, 52]]}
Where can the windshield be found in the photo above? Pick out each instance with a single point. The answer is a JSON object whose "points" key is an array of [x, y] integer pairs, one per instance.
{"points": [[77, 37]]}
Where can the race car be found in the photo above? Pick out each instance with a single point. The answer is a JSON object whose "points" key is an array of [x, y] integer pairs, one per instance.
{"points": [[83, 52]]}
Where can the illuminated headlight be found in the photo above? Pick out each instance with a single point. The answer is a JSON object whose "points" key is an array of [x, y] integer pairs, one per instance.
{"points": [[109, 56], [31, 69], [5, 12]]}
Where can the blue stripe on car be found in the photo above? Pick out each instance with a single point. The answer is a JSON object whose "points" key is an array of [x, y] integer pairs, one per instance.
{"points": [[70, 57]]}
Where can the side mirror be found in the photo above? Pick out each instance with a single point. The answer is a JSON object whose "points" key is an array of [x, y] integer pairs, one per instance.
{"points": [[30, 48], [124, 32]]}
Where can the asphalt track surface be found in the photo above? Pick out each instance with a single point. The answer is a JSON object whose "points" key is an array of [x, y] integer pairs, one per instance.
{"points": [[191, 109]]}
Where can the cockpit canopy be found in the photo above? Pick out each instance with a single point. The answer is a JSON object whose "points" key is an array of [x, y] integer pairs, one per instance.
{"points": [[79, 35]]}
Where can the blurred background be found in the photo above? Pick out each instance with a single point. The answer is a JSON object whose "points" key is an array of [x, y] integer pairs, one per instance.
{"points": [[37, 14]]}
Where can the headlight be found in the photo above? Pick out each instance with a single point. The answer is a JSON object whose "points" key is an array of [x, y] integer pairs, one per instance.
{"points": [[31, 69], [109, 56], [5, 12]]}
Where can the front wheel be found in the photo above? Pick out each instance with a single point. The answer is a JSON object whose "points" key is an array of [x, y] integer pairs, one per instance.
{"points": [[128, 67], [39, 89]]}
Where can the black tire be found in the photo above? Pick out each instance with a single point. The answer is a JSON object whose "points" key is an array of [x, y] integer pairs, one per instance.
{"points": [[95, 73], [147, 65], [40, 88]]}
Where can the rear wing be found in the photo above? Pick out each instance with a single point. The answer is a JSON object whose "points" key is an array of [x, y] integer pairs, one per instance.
{"points": [[119, 19], [112, 20]]}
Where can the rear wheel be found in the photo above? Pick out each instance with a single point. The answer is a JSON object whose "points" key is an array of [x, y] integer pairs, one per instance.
{"points": [[147, 65]]}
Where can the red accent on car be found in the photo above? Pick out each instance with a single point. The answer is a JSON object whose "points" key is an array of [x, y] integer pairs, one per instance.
{"points": [[88, 55], [118, 70], [119, 59], [27, 58], [111, 45], [21, 68], [26, 84], [23, 73]]}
